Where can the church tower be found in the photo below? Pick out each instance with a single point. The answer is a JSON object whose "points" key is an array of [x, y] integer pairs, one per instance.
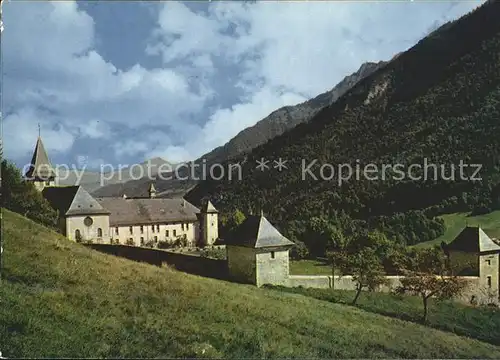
{"points": [[209, 226], [40, 172]]}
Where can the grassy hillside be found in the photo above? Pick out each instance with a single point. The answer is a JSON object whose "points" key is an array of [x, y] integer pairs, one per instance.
{"points": [[478, 323], [59, 299], [437, 103], [456, 222]]}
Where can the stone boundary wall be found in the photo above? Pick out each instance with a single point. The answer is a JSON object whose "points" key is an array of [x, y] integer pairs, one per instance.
{"points": [[345, 283], [335, 282], [192, 264]]}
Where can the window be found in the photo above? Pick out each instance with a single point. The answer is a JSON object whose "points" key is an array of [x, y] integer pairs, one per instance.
{"points": [[182, 226], [142, 229], [488, 281], [142, 241], [131, 229], [166, 233], [175, 233], [158, 228], [187, 226], [152, 228], [488, 262], [156, 238], [116, 230], [78, 235], [88, 221], [272, 254], [99, 232]]}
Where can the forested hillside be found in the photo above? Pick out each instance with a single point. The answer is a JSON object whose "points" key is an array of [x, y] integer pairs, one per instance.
{"points": [[438, 101]]}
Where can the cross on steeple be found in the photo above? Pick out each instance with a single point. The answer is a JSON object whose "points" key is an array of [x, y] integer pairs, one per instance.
{"points": [[39, 131]]}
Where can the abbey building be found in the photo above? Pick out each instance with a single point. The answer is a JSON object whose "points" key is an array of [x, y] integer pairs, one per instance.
{"points": [[130, 221]]}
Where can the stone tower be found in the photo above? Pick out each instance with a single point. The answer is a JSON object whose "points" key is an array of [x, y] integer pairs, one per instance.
{"points": [[257, 253], [209, 226], [478, 255], [40, 172]]}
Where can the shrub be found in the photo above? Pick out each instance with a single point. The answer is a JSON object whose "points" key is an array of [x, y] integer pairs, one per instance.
{"points": [[23, 198], [299, 251], [219, 254], [164, 245]]}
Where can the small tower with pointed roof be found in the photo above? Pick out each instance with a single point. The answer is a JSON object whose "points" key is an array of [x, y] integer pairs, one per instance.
{"points": [[257, 253], [209, 226], [152, 191], [477, 255], [40, 171]]}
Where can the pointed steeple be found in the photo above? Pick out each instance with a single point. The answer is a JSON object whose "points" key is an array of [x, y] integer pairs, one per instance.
{"points": [[209, 208], [40, 167]]}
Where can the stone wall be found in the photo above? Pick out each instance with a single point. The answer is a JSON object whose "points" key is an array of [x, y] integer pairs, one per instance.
{"points": [[241, 264], [310, 281], [475, 288], [335, 282], [489, 265], [183, 262]]}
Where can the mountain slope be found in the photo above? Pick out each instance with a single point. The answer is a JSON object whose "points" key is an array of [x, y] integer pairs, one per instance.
{"points": [[287, 117], [273, 125], [93, 180], [60, 299], [438, 101]]}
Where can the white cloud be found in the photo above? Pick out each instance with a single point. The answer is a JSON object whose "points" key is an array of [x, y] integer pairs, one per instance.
{"points": [[129, 147], [51, 63], [20, 131], [224, 124], [95, 129]]}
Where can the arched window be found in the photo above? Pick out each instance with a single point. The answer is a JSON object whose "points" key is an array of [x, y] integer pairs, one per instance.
{"points": [[78, 235], [99, 232]]}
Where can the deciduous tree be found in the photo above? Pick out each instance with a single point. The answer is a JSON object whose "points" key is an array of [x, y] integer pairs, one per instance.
{"points": [[428, 274], [22, 197]]}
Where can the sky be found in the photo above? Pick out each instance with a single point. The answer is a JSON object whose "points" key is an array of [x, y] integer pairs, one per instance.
{"points": [[120, 82]]}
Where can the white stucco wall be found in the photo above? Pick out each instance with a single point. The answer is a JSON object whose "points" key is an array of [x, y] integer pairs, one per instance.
{"points": [[148, 233], [489, 267], [210, 226], [74, 223]]}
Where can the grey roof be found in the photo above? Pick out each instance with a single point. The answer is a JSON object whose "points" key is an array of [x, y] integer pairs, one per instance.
{"points": [[40, 166], [473, 239], [257, 232], [208, 207], [72, 200], [126, 211]]}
